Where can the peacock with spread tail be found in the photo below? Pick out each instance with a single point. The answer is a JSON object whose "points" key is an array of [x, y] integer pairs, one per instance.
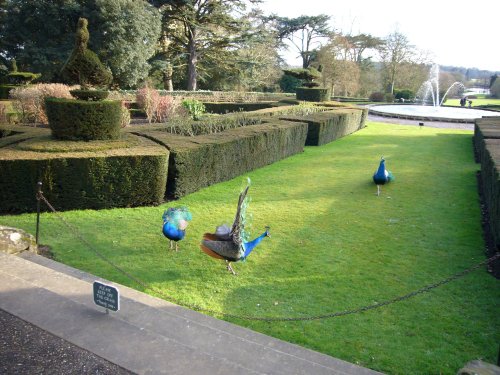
{"points": [[230, 244], [382, 175], [175, 222]]}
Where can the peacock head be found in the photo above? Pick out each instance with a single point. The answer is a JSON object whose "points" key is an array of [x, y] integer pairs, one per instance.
{"points": [[267, 234]]}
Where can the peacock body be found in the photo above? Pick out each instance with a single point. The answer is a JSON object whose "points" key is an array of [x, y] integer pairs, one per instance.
{"points": [[231, 244], [382, 175], [175, 222]]}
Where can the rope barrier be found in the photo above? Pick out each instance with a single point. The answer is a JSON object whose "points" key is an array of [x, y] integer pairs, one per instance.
{"points": [[169, 298]]}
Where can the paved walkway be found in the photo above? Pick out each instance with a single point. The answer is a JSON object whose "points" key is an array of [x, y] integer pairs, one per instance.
{"points": [[429, 124], [148, 335]]}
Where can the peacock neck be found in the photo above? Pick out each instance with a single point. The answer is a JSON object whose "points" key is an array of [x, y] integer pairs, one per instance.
{"points": [[381, 169], [249, 246]]}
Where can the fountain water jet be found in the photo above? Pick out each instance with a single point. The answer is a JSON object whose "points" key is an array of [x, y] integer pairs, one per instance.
{"points": [[431, 87]]}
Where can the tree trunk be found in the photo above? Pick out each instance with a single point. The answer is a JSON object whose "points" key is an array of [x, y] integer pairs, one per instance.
{"points": [[167, 78], [192, 61]]}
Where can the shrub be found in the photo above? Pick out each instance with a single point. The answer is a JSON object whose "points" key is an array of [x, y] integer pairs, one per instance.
{"points": [[194, 107], [125, 118], [404, 94], [133, 177], [388, 97], [312, 94], [84, 120], [289, 83], [3, 113], [166, 107], [30, 101], [377, 96], [5, 90], [157, 108], [83, 66], [22, 78], [90, 94], [146, 99]]}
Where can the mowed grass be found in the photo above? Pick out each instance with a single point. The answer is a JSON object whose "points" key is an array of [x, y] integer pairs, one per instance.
{"points": [[335, 246], [475, 102]]}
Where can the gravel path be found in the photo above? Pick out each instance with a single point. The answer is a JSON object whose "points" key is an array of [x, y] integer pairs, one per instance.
{"points": [[27, 349]]}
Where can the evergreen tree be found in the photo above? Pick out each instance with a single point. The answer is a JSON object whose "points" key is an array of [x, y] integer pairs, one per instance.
{"points": [[127, 35], [200, 27]]}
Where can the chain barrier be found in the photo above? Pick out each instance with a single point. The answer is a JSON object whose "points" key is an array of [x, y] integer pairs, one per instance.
{"points": [[169, 298]]}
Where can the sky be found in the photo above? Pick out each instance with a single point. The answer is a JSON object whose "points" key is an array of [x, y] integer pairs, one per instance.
{"points": [[456, 33]]}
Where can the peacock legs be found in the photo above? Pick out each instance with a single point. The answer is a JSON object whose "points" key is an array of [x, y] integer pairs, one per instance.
{"points": [[229, 268], [172, 246], [378, 190]]}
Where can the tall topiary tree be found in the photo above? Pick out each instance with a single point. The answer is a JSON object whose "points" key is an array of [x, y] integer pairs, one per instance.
{"points": [[83, 67], [310, 90]]}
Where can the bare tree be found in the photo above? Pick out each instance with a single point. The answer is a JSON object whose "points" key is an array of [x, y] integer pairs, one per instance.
{"points": [[395, 51]]}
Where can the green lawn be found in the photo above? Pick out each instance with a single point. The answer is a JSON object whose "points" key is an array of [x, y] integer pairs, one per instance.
{"points": [[335, 246], [475, 102]]}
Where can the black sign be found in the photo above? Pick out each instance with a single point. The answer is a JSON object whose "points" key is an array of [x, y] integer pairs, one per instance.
{"points": [[106, 296]]}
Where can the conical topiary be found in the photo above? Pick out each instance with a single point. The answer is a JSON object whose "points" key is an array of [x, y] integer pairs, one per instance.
{"points": [[83, 67]]}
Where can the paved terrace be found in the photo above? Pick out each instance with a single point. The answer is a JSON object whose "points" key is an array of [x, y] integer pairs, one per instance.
{"points": [[147, 335]]}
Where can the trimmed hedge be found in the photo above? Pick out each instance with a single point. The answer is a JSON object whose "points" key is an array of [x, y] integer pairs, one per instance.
{"points": [[325, 127], [484, 128], [222, 108], [487, 150], [490, 175], [198, 162], [125, 177], [312, 94], [5, 89], [84, 120]]}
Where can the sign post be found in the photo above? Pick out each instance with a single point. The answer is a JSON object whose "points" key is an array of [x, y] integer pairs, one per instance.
{"points": [[106, 296]]}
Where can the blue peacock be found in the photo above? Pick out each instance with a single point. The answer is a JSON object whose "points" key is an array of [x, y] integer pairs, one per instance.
{"points": [[382, 175], [230, 244], [175, 222]]}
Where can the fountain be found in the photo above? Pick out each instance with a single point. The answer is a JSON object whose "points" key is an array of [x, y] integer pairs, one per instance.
{"points": [[429, 93], [431, 88]]}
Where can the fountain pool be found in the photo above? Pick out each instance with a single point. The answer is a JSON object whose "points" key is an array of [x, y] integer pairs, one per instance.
{"points": [[431, 113], [429, 91]]}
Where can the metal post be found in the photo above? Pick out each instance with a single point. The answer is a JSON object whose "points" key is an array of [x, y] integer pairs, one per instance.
{"points": [[38, 197], [498, 360]]}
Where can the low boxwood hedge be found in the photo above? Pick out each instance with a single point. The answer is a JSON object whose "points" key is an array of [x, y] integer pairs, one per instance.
{"points": [[221, 107], [325, 127], [201, 161], [84, 120], [124, 177]]}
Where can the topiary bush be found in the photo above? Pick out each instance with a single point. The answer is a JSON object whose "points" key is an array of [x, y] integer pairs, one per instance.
{"points": [[310, 90], [90, 94], [84, 120], [313, 94], [83, 66]]}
